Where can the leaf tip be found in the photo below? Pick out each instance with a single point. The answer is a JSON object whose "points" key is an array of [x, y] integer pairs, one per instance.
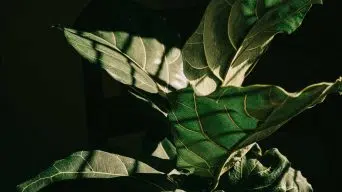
{"points": [[19, 188]]}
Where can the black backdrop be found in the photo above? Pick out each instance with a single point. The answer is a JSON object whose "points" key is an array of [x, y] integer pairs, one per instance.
{"points": [[51, 104]]}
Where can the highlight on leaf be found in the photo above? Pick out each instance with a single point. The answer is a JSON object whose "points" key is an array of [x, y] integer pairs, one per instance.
{"points": [[139, 49], [143, 64]]}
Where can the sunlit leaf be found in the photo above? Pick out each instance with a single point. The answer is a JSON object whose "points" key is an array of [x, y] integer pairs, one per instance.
{"points": [[89, 164], [139, 50]]}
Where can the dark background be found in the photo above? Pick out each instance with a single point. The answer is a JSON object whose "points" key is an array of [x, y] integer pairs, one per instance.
{"points": [[50, 104]]}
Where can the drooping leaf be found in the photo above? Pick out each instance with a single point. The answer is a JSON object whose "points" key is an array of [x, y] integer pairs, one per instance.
{"points": [[270, 171], [233, 35], [89, 164], [207, 130], [138, 50]]}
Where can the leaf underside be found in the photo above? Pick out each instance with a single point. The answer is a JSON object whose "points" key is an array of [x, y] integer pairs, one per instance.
{"points": [[93, 164], [141, 51], [208, 130], [232, 36]]}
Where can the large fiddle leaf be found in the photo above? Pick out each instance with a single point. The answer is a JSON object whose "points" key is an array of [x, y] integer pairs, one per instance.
{"points": [[208, 129], [269, 171], [232, 36], [97, 165]]}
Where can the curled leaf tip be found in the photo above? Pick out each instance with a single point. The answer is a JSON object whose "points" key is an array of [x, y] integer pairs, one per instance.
{"points": [[339, 87], [340, 79], [272, 167]]}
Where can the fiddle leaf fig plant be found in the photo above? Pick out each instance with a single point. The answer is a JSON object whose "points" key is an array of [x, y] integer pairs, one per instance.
{"points": [[214, 121]]}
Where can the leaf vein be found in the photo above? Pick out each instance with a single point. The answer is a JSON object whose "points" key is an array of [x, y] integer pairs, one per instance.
{"points": [[202, 130]]}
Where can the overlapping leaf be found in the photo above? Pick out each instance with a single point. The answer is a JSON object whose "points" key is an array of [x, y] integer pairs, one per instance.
{"points": [[209, 129], [94, 164], [232, 36], [140, 50], [270, 171]]}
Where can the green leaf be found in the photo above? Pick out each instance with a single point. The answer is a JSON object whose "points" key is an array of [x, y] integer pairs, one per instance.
{"points": [[270, 171], [207, 130], [141, 51], [88, 164], [232, 36]]}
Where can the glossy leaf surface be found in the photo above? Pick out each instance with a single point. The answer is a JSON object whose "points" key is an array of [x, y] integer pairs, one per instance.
{"points": [[209, 129]]}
